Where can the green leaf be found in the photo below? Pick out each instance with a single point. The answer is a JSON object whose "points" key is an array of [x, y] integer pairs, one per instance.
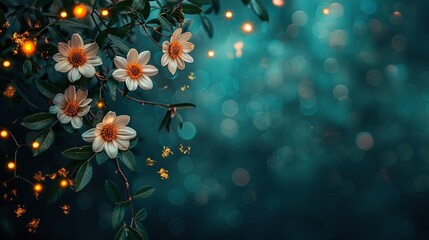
{"points": [[132, 233], [23, 95], [83, 176], [133, 142], [165, 23], [27, 67], [117, 215], [101, 157], [112, 88], [55, 193], [42, 3], [183, 105], [141, 215], [37, 75], [39, 121], [144, 192], [200, 2], [165, 120], [119, 43], [208, 26], [128, 159], [259, 9], [79, 153], [191, 9], [47, 88], [121, 234], [179, 120], [146, 10], [112, 190], [45, 138], [142, 230], [245, 2], [68, 127]]}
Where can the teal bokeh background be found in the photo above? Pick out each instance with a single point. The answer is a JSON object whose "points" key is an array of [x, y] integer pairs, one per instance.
{"points": [[317, 131]]}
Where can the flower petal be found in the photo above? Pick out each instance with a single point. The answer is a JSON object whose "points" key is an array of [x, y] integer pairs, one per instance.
{"points": [[64, 49], [131, 84], [145, 83], [87, 70], [76, 41], [98, 144], [73, 75], [165, 59], [122, 144], [180, 64], [83, 111], [120, 62], [96, 61], [176, 35], [63, 117], [58, 57], [150, 70], [70, 94], [81, 95], [187, 58], [109, 118], [188, 47], [111, 149], [85, 102], [120, 75], [89, 135], [91, 50], [63, 66], [132, 56], [144, 58], [185, 37], [121, 121], [165, 46], [59, 100], [76, 122], [54, 109], [126, 133], [172, 66]]}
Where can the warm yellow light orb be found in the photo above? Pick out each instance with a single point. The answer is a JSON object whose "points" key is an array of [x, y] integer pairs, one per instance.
{"points": [[38, 187], [28, 47], [100, 104], [6, 63], [4, 134], [211, 53], [80, 11], [64, 183], [104, 12], [247, 27], [326, 11], [63, 14], [278, 3], [11, 165], [228, 14], [35, 145]]}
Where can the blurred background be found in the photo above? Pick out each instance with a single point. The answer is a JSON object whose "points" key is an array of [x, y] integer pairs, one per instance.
{"points": [[310, 126]]}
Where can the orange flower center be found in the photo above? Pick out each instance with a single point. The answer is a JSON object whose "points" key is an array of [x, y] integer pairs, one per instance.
{"points": [[77, 57], [135, 71], [109, 132], [71, 109], [175, 50]]}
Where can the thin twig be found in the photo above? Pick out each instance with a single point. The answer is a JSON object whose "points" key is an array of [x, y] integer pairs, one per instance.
{"points": [[127, 187], [142, 102]]}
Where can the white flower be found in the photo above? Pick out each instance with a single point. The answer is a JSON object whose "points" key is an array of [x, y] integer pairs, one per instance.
{"points": [[111, 134], [75, 58], [176, 51], [134, 70], [71, 106]]}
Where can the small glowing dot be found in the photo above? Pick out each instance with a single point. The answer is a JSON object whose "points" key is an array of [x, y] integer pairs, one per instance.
{"points": [[63, 14], [247, 27], [28, 47], [64, 183], [100, 104], [80, 11], [104, 12], [211, 53], [228, 14], [325, 11], [38, 187], [35, 145], [278, 3], [364, 141], [4, 134], [238, 45], [397, 13], [6, 63], [11, 165]]}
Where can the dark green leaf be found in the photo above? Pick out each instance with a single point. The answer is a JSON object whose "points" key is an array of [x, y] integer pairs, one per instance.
{"points": [[142, 230], [36, 76], [191, 9], [200, 2], [112, 88], [101, 157], [183, 105], [68, 127], [55, 35], [259, 9], [47, 88], [144, 192], [165, 23], [117, 215], [83, 176], [128, 159], [39, 121], [79, 153], [208, 26], [119, 43], [216, 6], [165, 120], [23, 95], [146, 9], [126, 90], [102, 36], [55, 193], [27, 67], [141, 215], [132, 233], [121, 234], [133, 142], [112, 191], [45, 138]]}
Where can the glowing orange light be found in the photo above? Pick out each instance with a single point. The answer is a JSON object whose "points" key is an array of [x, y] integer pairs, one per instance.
{"points": [[38, 187], [100, 104], [4, 134], [63, 14], [80, 11], [397, 13], [104, 12], [247, 27], [278, 3], [11, 165], [211, 53], [326, 11], [28, 47], [6, 63], [35, 145], [64, 183], [228, 14]]}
